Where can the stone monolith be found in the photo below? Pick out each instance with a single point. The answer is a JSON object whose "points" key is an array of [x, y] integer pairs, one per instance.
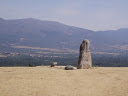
{"points": [[85, 60]]}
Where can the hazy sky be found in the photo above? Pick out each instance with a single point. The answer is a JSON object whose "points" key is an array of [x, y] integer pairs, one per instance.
{"points": [[89, 14]]}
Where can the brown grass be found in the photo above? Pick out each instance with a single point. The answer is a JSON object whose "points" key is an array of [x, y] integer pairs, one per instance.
{"points": [[46, 81]]}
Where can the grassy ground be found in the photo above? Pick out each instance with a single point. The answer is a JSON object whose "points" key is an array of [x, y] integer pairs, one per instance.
{"points": [[46, 81]]}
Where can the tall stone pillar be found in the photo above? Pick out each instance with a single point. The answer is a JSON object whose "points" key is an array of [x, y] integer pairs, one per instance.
{"points": [[85, 60]]}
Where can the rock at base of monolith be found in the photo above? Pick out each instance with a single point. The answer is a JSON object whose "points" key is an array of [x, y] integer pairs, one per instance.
{"points": [[30, 65], [85, 60], [69, 68], [52, 64]]}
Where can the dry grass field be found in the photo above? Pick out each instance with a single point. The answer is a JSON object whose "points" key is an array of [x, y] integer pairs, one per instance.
{"points": [[46, 81], [2, 56]]}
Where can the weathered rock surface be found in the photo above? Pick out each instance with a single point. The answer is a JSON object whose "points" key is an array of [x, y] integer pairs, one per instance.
{"points": [[85, 60], [53, 64], [69, 68]]}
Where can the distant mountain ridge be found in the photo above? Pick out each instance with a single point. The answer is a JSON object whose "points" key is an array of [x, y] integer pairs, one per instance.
{"points": [[51, 34]]}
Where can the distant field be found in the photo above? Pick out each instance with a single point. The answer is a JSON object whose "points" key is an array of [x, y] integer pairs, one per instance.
{"points": [[46, 81], [57, 50], [121, 47], [46, 49], [2, 56]]}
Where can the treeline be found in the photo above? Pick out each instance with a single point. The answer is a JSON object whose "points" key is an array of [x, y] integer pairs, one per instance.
{"points": [[110, 60], [100, 60], [25, 60]]}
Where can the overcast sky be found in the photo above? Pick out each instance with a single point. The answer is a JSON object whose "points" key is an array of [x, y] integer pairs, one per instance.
{"points": [[88, 14]]}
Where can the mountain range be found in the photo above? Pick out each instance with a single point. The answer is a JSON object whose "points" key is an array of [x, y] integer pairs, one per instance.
{"points": [[50, 34]]}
